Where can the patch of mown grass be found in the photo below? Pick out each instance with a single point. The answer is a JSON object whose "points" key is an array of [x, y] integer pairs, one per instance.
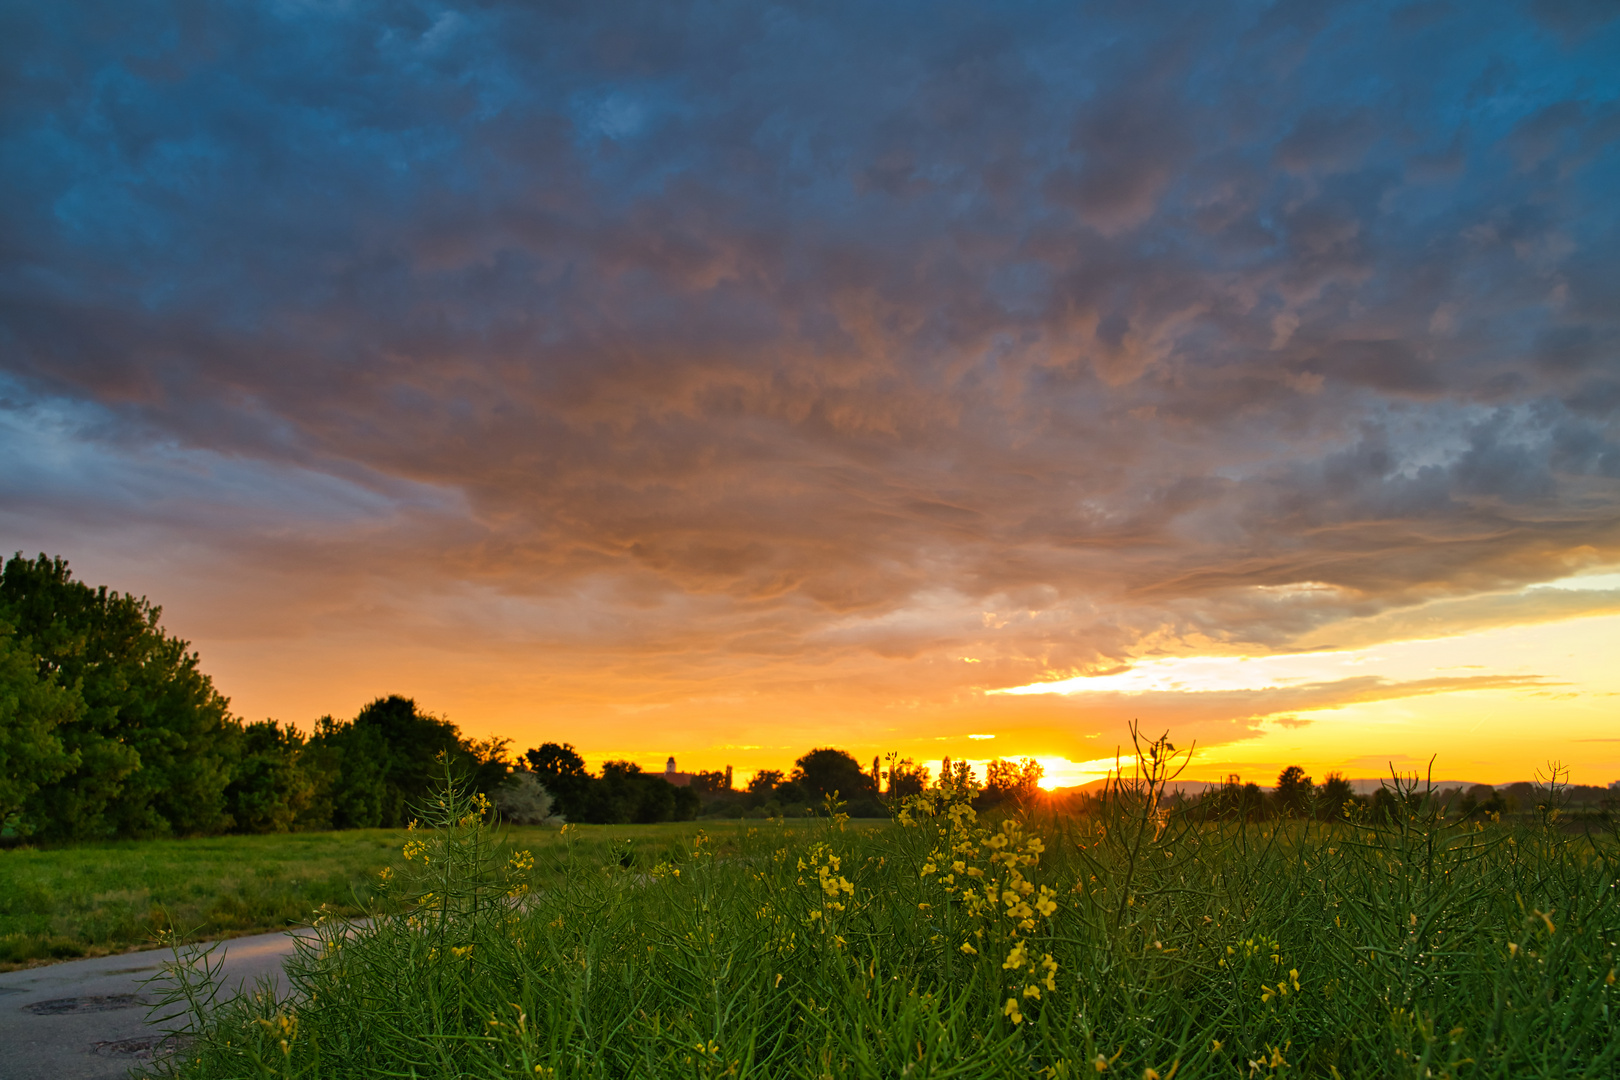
{"points": [[95, 899], [1126, 941]]}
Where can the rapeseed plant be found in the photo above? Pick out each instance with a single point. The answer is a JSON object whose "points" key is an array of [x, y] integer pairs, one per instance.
{"points": [[1129, 941]]}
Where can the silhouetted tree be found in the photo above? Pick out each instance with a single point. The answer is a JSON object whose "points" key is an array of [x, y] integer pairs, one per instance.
{"points": [[709, 783], [825, 771], [387, 761], [1009, 781], [1293, 793], [1251, 801], [1333, 796], [764, 781], [562, 772], [1481, 800], [905, 777]]}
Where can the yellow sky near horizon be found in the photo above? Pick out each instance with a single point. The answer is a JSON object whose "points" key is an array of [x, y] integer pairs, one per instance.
{"points": [[1491, 705]]}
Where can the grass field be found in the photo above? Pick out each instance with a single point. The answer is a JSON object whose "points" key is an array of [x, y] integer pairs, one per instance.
{"points": [[1124, 941], [95, 899]]}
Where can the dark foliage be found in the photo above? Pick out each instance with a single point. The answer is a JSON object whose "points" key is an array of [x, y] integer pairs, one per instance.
{"points": [[713, 782], [149, 750], [275, 784], [622, 795], [905, 778], [825, 771], [1334, 797], [1015, 782], [1292, 795], [764, 781], [386, 760], [110, 730]]}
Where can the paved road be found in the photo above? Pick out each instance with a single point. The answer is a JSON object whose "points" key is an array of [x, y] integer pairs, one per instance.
{"points": [[86, 1019]]}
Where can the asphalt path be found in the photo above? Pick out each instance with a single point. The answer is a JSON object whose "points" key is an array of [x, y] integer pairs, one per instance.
{"points": [[87, 1019]]}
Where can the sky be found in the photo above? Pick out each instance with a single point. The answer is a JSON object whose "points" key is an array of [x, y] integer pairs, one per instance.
{"points": [[727, 379]]}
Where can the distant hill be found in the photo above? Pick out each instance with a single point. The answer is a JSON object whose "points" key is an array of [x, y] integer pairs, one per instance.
{"points": [[1520, 789], [1361, 786]]}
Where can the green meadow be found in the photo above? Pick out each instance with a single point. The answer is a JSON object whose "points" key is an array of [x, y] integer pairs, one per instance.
{"points": [[93, 899], [1127, 939]]}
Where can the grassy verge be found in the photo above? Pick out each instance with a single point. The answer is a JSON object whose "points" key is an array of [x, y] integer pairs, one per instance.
{"points": [[1126, 942], [96, 899]]}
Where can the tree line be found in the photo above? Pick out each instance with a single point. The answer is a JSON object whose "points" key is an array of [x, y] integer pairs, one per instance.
{"points": [[108, 729]]}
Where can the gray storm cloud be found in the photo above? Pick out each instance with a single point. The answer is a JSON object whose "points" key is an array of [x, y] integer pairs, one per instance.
{"points": [[810, 329]]}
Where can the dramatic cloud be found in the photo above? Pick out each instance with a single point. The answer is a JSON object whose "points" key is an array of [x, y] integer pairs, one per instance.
{"points": [[725, 352]]}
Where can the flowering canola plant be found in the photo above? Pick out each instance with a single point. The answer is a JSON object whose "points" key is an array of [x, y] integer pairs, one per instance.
{"points": [[986, 873]]}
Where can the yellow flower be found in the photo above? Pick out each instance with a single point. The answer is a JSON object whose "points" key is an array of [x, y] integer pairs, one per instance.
{"points": [[1015, 959], [971, 951], [1214, 1046], [1011, 1010], [1033, 991], [1099, 1063]]}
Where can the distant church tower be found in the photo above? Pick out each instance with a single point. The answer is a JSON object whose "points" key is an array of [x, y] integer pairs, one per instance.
{"points": [[728, 777], [679, 779]]}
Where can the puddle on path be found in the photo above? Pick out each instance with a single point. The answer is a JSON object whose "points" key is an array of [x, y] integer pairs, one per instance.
{"points": [[144, 1046], [87, 1004]]}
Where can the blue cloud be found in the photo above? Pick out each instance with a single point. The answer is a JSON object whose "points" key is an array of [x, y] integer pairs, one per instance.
{"points": [[823, 306]]}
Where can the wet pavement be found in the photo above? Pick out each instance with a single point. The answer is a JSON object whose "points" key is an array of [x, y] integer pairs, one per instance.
{"points": [[87, 1019]]}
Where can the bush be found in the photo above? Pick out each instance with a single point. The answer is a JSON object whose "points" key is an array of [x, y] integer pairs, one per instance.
{"points": [[525, 802]]}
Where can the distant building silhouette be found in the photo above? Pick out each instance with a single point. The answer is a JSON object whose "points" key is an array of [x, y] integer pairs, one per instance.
{"points": [[679, 779]]}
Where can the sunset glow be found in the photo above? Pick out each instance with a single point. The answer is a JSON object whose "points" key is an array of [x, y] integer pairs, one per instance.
{"points": [[723, 384]]}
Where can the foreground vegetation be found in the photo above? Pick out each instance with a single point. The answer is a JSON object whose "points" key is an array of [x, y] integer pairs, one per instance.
{"points": [[96, 899], [1129, 940]]}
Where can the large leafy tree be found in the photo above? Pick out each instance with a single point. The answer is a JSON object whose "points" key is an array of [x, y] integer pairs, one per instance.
{"points": [[825, 771], [32, 709], [152, 745], [385, 762], [1293, 794], [563, 774], [273, 788]]}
